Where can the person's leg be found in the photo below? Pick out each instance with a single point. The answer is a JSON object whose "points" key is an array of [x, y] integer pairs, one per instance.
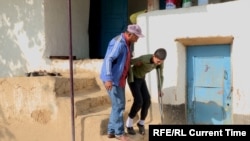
{"points": [[145, 106], [111, 130], [116, 121], [136, 106], [146, 100], [137, 95]]}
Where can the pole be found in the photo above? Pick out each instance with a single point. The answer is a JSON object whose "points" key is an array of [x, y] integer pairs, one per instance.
{"points": [[160, 96], [71, 73]]}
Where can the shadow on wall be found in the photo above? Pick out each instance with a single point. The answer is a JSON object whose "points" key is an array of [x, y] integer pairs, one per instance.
{"points": [[176, 114], [209, 113], [173, 114], [204, 112], [92, 126], [20, 34]]}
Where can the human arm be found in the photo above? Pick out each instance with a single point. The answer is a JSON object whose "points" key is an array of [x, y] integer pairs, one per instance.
{"points": [[143, 59], [142, 65], [136, 61], [114, 57], [130, 72]]}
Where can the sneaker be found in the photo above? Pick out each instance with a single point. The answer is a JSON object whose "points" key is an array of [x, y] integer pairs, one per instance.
{"points": [[141, 129], [131, 131], [111, 135]]}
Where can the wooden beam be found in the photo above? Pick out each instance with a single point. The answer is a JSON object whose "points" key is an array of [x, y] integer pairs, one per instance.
{"points": [[189, 41]]}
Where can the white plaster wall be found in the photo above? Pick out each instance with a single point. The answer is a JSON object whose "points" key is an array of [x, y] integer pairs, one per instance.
{"points": [[57, 28], [33, 30], [162, 27], [22, 41]]}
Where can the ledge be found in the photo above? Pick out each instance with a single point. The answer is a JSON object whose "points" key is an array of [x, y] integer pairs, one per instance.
{"points": [[189, 41]]}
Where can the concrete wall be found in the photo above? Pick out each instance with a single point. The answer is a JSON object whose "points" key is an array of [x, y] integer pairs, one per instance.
{"points": [[163, 27], [56, 19], [31, 31]]}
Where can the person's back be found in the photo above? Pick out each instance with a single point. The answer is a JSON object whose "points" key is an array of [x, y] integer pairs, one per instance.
{"points": [[114, 59]]}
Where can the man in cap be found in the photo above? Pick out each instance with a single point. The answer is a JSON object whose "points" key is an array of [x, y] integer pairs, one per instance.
{"points": [[114, 71]]}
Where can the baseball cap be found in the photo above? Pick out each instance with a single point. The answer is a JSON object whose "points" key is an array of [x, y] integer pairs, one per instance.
{"points": [[134, 28]]}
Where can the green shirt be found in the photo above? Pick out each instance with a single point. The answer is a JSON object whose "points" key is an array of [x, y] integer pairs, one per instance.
{"points": [[146, 66]]}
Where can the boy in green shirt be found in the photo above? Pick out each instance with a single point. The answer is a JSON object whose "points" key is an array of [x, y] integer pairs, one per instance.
{"points": [[137, 84]]}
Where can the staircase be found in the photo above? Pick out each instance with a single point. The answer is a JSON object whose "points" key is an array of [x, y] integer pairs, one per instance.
{"points": [[40, 108], [92, 110]]}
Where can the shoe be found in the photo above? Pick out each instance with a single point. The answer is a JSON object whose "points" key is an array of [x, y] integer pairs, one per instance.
{"points": [[122, 137], [111, 135], [141, 129], [131, 131]]}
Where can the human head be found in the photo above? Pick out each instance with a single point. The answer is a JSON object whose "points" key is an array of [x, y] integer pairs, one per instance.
{"points": [[133, 33], [135, 29], [159, 56]]}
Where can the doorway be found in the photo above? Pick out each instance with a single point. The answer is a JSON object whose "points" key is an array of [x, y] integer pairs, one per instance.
{"points": [[109, 18], [209, 84]]}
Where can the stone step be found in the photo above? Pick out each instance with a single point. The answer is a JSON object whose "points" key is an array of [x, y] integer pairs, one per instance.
{"points": [[87, 103], [92, 111], [87, 100], [93, 124], [62, 84]]}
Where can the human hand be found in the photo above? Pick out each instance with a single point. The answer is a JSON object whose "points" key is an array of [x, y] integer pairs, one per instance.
{"points": [[108, 85], [160, 93], [138, 63]]}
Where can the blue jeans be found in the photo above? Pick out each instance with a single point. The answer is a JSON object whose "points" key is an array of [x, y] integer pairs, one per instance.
{"points": [[116, 121]]}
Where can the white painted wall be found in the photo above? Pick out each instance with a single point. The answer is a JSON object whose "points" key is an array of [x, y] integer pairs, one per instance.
{"points": [[162, 27], [33, 30], [57, 28], [22, 40]]}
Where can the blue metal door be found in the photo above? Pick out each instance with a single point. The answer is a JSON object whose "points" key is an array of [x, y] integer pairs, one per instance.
{"points": [[114, 20], [209, 84]]}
